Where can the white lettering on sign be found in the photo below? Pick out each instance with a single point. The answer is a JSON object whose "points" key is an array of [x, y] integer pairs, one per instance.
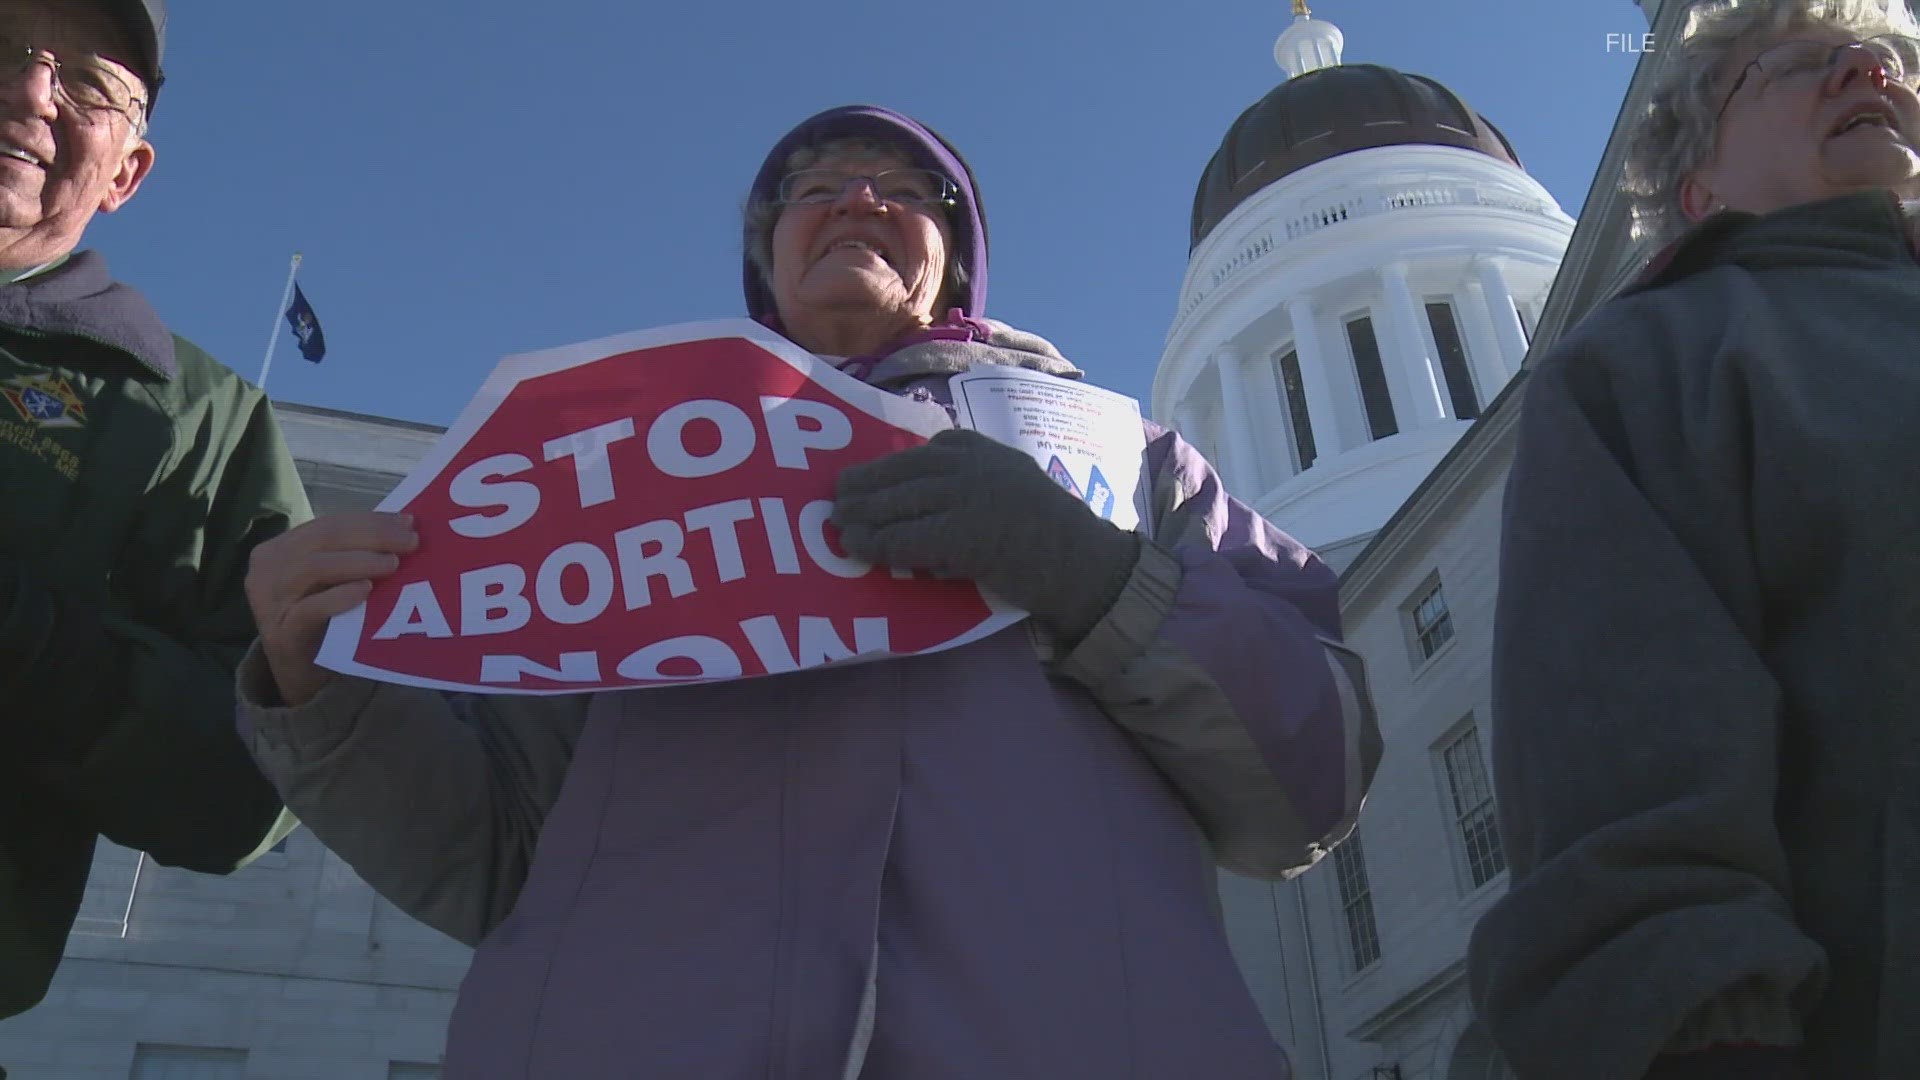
{"points": [[638, 567], [591, 468], [796, 427], [773, 515], [552, 598], [791, 441], [415, 611], [814, 641], [493, 600], [476, 487], [667, 439], [718, 521], [580, 667], [819, 642], [813, 534], [711, 655]]}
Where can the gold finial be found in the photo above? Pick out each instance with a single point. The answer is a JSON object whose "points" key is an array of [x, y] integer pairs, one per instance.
{"points": [[1300, 8]]}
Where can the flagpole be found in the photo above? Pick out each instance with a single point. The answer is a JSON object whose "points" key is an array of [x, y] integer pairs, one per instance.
{"points": [[279, 313]]}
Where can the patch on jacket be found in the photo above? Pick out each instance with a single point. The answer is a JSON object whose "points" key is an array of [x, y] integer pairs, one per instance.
{"points": [[47, 401]]}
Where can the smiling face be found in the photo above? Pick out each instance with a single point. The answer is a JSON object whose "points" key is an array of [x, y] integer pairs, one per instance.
{"points": [[60, 165], [1797, 129], [856, 257]]}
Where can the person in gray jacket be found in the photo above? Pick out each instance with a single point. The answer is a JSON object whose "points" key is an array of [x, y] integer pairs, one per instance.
{"points": [[986, 863], [1706, 670]]}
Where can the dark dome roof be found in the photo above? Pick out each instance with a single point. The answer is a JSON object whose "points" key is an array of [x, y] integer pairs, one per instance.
{"points": [[1328, 112]]}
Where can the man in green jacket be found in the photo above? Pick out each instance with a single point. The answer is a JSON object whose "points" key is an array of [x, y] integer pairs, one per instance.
{"points": [[136, 476]]}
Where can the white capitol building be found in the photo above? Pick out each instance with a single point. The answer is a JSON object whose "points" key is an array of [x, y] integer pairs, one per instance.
{"points": [[1370, 265]]}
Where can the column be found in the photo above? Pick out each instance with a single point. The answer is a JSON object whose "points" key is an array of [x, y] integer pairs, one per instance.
{"points": [[1416, 367], [1242, 464], [1315, 377], [1266, 408], [1484, 350], [1506, 318]]}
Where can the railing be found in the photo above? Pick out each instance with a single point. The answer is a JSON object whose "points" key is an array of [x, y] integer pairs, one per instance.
{"points": [[1323, 217], [1247, 257], [1349, 208]]}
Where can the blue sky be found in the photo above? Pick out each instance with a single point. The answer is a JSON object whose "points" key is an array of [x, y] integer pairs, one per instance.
{"points": [[516, 176]]}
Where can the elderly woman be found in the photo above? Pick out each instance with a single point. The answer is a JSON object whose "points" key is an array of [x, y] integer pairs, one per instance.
{"points": [[1707, 662], [989, 863]]}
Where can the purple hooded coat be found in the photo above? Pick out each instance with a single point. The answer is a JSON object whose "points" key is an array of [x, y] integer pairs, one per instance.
{"points": [[991, 863]]}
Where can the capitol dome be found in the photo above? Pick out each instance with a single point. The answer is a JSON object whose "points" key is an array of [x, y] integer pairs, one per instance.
{"points": [[1328, 111], [1367, 261]]}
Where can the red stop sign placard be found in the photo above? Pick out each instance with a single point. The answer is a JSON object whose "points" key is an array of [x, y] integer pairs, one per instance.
{"points": [[646, 510]]}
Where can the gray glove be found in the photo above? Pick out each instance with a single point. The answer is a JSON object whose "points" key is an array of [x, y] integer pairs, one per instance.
{"points": [[968, 506]]}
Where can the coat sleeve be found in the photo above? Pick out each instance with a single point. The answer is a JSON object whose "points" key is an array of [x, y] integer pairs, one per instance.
{"points": [[120, 699], [1223, 659], [1636, 728], [436, 800]]}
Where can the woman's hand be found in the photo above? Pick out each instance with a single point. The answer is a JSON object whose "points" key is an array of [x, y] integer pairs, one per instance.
{"points": [[302, 578], [964, 504]]}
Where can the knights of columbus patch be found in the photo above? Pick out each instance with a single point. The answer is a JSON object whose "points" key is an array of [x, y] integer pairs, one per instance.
{"points": [[46, 400]]}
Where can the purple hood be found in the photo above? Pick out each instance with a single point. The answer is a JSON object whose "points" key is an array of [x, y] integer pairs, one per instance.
{"points": [[929, 151]]}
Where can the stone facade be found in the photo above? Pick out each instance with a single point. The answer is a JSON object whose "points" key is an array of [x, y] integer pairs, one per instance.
{"points": [[290, 969]]}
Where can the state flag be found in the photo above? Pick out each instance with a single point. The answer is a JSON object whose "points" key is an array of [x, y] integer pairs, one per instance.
{"points": [[306, 327]]}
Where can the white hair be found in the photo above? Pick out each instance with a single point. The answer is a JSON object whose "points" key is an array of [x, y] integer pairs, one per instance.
{"points": [[1675, 136]]}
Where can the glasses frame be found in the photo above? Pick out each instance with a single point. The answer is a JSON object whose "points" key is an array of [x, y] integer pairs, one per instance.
{"points": [[1833, 57], [135, 109], [946, 199]]}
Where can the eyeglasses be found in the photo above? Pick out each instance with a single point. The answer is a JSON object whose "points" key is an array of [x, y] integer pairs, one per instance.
{"points": [[85, 83], [919, 188], [1805, 62]]}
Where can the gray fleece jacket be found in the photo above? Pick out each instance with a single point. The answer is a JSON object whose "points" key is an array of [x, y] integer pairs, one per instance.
{"points": [[1707, 665]]}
